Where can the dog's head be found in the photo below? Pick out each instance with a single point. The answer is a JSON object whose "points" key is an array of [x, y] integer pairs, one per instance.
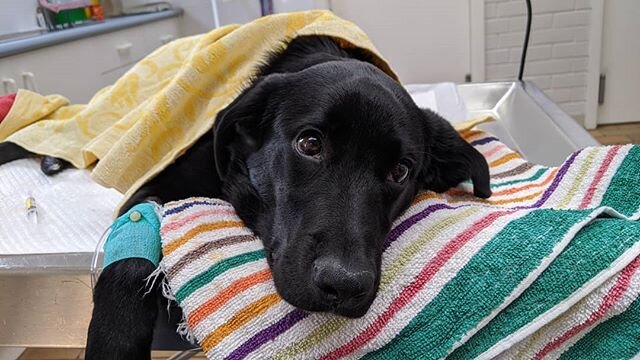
{"points": [[320, 162]]}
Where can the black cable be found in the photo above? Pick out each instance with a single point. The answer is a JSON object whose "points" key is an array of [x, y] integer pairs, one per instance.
{"points": [[526, 41]]}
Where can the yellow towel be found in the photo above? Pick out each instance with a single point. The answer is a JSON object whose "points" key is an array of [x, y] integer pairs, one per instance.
{"points": [[149, 117]]}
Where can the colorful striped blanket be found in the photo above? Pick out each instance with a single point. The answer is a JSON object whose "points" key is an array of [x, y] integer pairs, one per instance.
{"points": [[547, 267]]}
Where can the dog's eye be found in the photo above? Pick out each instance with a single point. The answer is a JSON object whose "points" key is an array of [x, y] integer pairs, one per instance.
{"points": [[400, 172], [309, 143]]}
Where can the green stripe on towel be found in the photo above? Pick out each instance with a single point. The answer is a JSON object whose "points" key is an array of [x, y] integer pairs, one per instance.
{"points": [[623, 193], [601, 242], [214, 271], [482, 285], [533, 177]]}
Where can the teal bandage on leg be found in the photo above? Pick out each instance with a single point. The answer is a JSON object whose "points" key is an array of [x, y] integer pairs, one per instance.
{"points": [[135, 234]]}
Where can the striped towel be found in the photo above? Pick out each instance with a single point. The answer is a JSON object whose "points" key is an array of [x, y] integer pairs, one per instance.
{"points": [[547, 267]]}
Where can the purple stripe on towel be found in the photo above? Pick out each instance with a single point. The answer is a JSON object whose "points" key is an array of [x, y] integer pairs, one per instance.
{"points": [[484, 141], [189, 204], [409, 222], [395, 233], [267, 334], [559, 176]]}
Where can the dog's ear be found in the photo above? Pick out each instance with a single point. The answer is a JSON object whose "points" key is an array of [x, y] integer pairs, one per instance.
{"points": [[239, 128], [452, 159]]}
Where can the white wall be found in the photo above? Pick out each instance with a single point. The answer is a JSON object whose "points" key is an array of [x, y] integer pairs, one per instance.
{"points": [[197, 17], [17, 16], [425, 41], [558, 49], [299, 5], [198, 14]]}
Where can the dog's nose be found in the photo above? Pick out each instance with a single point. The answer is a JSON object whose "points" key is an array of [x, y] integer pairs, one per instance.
{"points": [[341, 283]]}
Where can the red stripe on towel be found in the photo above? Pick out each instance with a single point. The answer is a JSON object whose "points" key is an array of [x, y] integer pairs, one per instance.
{"points": [[599, 174], [613, 296], [410, 291]]}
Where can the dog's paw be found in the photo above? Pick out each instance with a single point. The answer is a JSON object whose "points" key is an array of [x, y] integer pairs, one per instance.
{"points": [[51, 165]]}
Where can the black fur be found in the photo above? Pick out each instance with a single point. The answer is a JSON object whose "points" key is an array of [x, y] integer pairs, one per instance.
{"points": [[49, 165], [322, 221], [123, 316], [10, 152]]}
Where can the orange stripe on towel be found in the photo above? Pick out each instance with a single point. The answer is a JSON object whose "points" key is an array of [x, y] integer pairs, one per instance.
{"points": [[470, 134], [514, 190], [426, 196], [497, 202], [431, 195], [504, 159], [171, 247], [226, 294], [242, 317]]}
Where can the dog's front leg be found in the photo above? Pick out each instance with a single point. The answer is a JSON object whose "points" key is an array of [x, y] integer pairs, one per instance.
{"points": [[124, 312]]}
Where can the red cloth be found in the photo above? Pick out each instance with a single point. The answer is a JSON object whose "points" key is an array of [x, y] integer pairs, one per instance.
{"points": [[6, 101]]}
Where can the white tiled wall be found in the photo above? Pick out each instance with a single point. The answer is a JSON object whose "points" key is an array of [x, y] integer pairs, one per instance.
{"points": [[557, 56], [556, 60]]}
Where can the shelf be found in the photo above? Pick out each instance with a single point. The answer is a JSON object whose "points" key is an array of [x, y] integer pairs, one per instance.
{"points": [[17, 46]]}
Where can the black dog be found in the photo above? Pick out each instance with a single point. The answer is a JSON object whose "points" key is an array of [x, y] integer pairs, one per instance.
{"points": [[318, 157]]}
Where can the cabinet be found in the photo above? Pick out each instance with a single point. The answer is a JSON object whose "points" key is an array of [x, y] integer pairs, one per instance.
{"points": [[79, 68]]}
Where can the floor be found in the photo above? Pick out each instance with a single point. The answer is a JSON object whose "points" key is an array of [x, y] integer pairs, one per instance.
{"points": [[617, 134], [606, 135]]}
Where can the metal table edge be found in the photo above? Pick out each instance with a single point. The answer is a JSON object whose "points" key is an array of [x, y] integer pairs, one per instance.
{"points": [[18, 46], [576, 133]]}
